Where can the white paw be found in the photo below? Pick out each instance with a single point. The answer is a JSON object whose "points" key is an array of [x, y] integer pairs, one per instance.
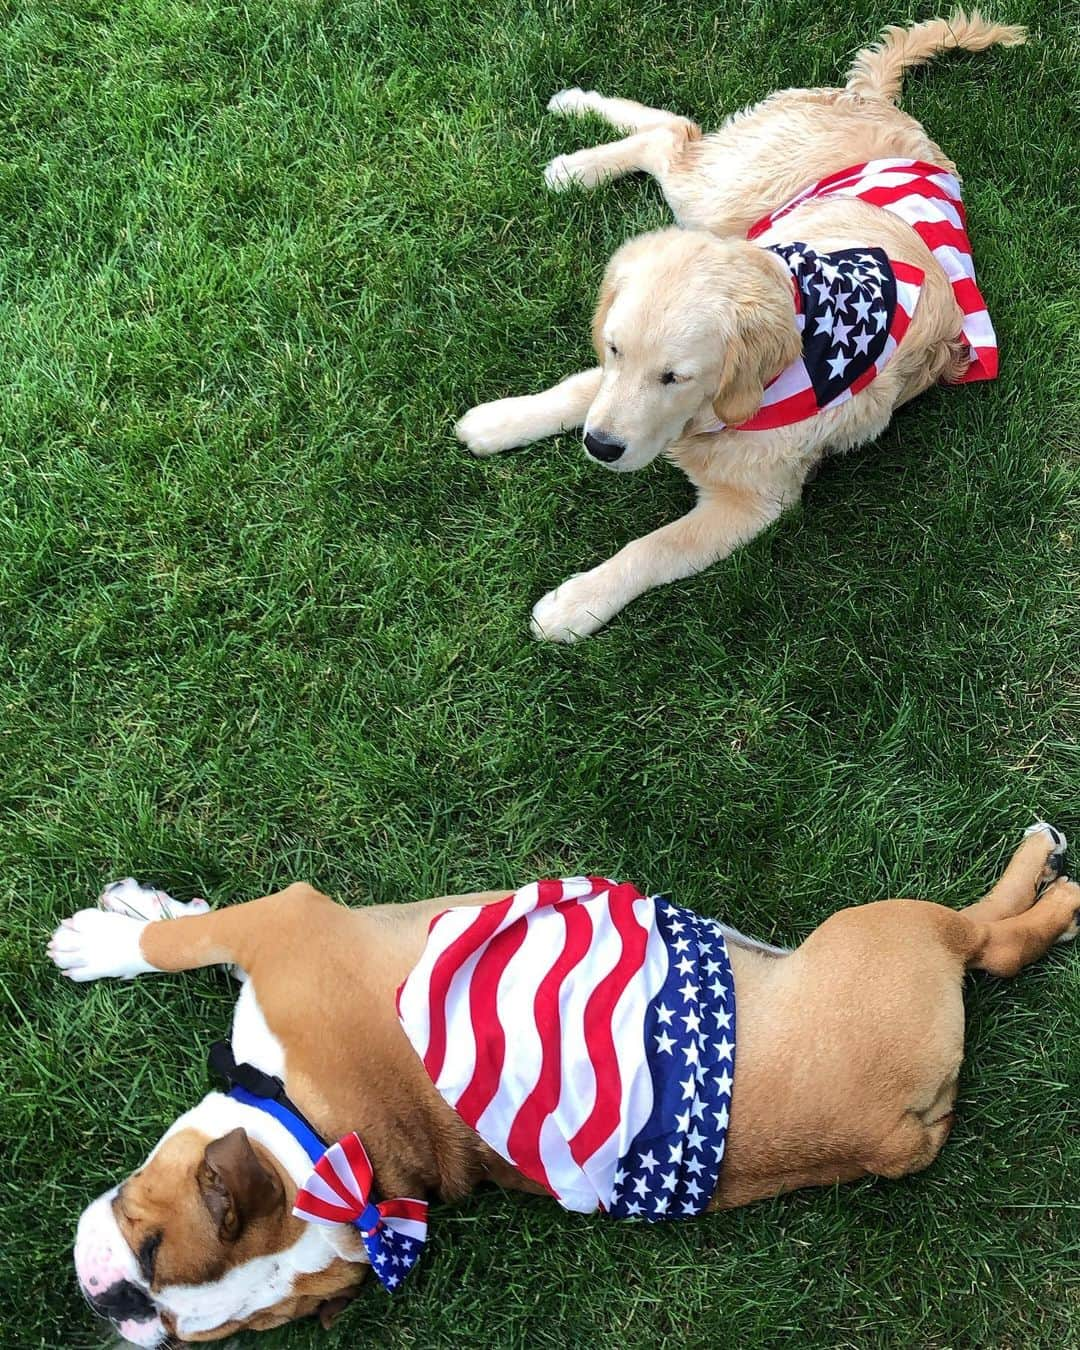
{"points": [[491, 427], [571, 102], [92, 945], [1057, 837], [577, 170], [573, 610], [143, 902]]}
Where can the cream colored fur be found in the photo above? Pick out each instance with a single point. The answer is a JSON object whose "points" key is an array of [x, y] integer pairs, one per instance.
{"points": [[701, 304]]}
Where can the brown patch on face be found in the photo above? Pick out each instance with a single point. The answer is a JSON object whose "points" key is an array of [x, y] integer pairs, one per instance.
{"points": [[203, 1206], [177, 1236]]}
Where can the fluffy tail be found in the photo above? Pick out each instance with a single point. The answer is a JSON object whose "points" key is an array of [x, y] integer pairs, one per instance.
{"points": [[878, 71]]}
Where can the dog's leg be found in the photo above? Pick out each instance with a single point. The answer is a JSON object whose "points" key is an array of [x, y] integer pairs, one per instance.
{"points": [[1007, 946], [657, 138], [650, 151], [96, 944], [723, 519], [1036, 863], [623, 113], [510, 422]]}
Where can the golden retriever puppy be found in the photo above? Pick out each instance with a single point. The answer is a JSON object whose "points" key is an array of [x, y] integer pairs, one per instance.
{"points": [[822, 277]]}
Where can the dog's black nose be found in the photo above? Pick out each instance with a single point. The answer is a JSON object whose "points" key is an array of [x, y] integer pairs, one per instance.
{"points": [[607, 452], [121, 1301]]}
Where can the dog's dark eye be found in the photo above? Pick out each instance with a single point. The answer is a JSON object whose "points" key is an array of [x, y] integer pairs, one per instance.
{"points": [[147, 1255], [613, 349], [668, 377]]}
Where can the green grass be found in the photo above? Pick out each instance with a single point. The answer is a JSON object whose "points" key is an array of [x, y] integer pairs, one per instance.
{"points": [[262, 618]]}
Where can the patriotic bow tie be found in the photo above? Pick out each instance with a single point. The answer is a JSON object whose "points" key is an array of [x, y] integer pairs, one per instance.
{"points": [[338, 1191]]}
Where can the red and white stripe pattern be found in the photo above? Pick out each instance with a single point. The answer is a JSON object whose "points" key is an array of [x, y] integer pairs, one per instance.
{"points": [[339, 1190], [532, 1014], [928, 199]]}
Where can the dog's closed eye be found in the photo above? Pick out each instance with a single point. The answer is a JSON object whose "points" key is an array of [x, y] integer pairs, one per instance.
{"points": [[669, 377], [147, 1255]]}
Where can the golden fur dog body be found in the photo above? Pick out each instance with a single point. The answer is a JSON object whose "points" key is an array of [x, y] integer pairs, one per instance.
{"points": [[693, 322], [849, 1048]]}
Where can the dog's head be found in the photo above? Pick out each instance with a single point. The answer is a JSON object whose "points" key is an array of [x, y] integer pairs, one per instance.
{"points": [[689, 328], [201, 1241]]}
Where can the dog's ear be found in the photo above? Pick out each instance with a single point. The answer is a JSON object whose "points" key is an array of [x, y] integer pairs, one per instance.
{"points": [[234, 1184], [764, 342], [603, 303]]}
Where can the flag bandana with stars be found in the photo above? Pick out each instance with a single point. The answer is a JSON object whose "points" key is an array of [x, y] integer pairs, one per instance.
{"points": [[928, 199], [587, 1033], [852, 307]]}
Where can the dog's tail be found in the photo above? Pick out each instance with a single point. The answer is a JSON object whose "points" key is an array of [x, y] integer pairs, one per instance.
{"points": [[878, 71]]}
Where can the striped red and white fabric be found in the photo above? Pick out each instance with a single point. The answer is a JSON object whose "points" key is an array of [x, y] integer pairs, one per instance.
{"points": [[928, 199], [586, 1032]]}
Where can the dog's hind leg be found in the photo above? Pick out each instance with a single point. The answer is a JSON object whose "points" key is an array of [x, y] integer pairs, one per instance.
{"points": [[1034, 865], [1007, 946], [651, 152], [658, 138], [623, 113]]}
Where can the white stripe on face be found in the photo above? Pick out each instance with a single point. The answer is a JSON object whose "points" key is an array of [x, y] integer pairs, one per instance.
{"points": [[248, 1289]]}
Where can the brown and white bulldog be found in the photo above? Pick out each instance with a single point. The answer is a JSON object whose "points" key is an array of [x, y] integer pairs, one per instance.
{"points": [[848, 1056]]}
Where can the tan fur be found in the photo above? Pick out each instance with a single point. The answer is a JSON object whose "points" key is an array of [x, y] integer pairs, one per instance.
{"points": [[878, 72], [700, 302], [849, 1050]]}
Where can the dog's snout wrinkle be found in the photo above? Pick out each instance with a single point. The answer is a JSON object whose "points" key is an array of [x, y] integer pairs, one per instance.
{"points": [[606, 451]]}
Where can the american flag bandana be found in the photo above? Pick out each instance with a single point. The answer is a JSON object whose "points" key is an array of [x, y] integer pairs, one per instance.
{"points": [[928, 199], [852, 308], [338, 1191], [587, 1034]]}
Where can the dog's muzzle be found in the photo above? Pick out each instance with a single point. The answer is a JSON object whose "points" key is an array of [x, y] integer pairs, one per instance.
{"points": [[108, 1276]]}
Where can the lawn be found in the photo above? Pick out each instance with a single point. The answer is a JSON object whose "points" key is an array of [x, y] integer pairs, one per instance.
{"points": [[262, 618]]}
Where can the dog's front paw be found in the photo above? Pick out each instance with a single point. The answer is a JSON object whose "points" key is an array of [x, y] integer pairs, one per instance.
{"points": [[573, 610], [144, 902], [93, 945], [491, 427]]}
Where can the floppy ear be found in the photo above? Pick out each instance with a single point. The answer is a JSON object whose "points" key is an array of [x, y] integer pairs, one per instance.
{"points": [[603, 304], [764, 343], [235, 1185]]}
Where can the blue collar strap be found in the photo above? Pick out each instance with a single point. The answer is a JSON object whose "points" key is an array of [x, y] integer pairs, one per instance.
{"points": [[252, 1087], [339, 1188]]}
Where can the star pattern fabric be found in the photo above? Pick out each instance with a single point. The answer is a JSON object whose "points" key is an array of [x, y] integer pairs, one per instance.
{"points": [[852, 309], [848, 301], [587, 1033], [927, 198], [671, 1169]]}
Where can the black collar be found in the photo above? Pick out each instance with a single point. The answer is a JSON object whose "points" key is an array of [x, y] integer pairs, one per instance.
{"points": [[223, 1065]]}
